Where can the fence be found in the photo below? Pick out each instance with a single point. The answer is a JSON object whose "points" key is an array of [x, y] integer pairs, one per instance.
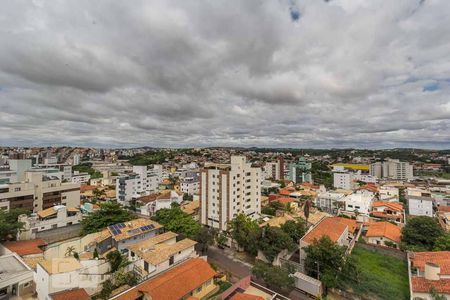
{"points": [[384, 250]]}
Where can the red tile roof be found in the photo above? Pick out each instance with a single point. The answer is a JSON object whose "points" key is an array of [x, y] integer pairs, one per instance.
{"points": [[352, 224], [85, 188], [327, 227], [75, 294], [440, 258], [284, 200], [384, 229], [396, 206], [422, 285], [370, 187], [242, 296], [444, 208], [23, 248], [175, 283]]}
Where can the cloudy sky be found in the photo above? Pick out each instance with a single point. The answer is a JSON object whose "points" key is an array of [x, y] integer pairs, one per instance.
{"points": [[306, 73]]}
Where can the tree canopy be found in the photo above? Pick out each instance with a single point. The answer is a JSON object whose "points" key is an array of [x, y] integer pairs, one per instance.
{"points": [[9, 224], [174, 219], [273, 240], [275, 277], [245, 231], [325, 259], [295, 229], [442, 243], [420, 233], [109, 213]]}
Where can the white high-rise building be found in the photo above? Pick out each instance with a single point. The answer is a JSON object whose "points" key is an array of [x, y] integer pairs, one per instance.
{"points": [[140, 183], [227, 190], [76, 160], [392, 169], [346, 179]]}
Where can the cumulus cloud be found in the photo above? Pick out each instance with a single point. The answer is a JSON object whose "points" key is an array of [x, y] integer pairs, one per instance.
{"points": [[218, 73]]}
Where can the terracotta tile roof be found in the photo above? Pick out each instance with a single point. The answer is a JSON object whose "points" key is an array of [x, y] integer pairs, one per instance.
{"points": [[384, 229], [444, 208], [23, 248], [352, 224], [173, 284], [287, 191], [327, 227], [370, 187], [85, 188], [151, 242], [380, 214], [440, 258], [162, 252], [397, 206], [422, 285], [148, 198], [191, 207], [75, 294], [242, 296]]}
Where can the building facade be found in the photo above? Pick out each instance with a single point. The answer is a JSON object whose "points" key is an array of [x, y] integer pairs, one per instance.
{"points": [[300, 171], [392, 169], [227, 190]]}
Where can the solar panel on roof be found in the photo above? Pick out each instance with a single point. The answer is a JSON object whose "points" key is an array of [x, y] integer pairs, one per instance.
{"points": [[121, 225]]}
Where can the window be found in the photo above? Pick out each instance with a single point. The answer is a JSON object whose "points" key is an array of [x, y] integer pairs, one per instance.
{"points": [[17, 189]]}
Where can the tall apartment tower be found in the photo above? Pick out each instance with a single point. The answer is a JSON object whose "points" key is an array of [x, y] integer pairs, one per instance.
{"points": [[393, 169], [227, 190]]}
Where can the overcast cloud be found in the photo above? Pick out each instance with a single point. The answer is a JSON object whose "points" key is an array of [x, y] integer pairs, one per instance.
{"points": [[307, 73]]}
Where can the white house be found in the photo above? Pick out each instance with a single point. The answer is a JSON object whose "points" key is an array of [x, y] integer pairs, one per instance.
{"points": [[360, 201], [153, 203], [329, 201], [51, 218], [190, 185], [159, 253], [59, 274], [16, 278], [420, 202]]}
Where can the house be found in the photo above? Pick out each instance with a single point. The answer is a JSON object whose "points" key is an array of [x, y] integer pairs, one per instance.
{"points": [[331, 227], [73, 294], [360, 201], [287, 202], [389, 193], [384, 234], [429, 270], [192, 208], [330, 201], [193, 279], [51, 218], [159, 253], [120, 236], [60, 274], [16, 278], [388, 211], [153, 203], [24, 248], [420, 202]]}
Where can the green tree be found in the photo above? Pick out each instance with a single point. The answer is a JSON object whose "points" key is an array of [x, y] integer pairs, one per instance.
{"points": [[70, 251], [273, 240], [9, 224], [206, 237], [435, 295], [295, 229], [275, 277], [245, 231], [115, 259], [442, 243], [421, 232], [324, 260], [109, 213], [174, 219]]}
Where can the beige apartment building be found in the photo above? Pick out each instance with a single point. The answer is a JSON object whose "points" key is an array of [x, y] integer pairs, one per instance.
{"points": [[39, 192], [227, 190]]}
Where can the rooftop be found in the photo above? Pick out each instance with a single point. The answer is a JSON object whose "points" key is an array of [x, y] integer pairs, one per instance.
{"points": [[60, 265], [151, 242], [397, 206], [327, 227], [23, 248], [384, 229], [173, 284], [11, 266], [440, 258], [162, 252], [74, 294], [121, 231]]}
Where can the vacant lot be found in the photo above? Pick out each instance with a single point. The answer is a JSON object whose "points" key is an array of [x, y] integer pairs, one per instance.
{"points": [[381, 277]]}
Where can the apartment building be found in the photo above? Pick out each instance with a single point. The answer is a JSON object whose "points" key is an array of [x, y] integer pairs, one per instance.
{"points": [[360, 202], [139, 183], [51, 218], [300, 171], [39, 192], [348, 180], [392, 169], [420, 202], [190, 185], [274, 170], [14, 171], [227, 190]]}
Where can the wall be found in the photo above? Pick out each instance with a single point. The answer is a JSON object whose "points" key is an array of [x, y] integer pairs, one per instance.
{"points": [[384, 250], [79, 244]]}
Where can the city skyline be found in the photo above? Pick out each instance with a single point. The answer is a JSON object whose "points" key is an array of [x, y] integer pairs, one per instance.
{"points": [[290, 74]]}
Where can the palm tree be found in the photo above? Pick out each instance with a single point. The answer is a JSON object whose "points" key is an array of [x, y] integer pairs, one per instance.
{"points": [[70, 251]]}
